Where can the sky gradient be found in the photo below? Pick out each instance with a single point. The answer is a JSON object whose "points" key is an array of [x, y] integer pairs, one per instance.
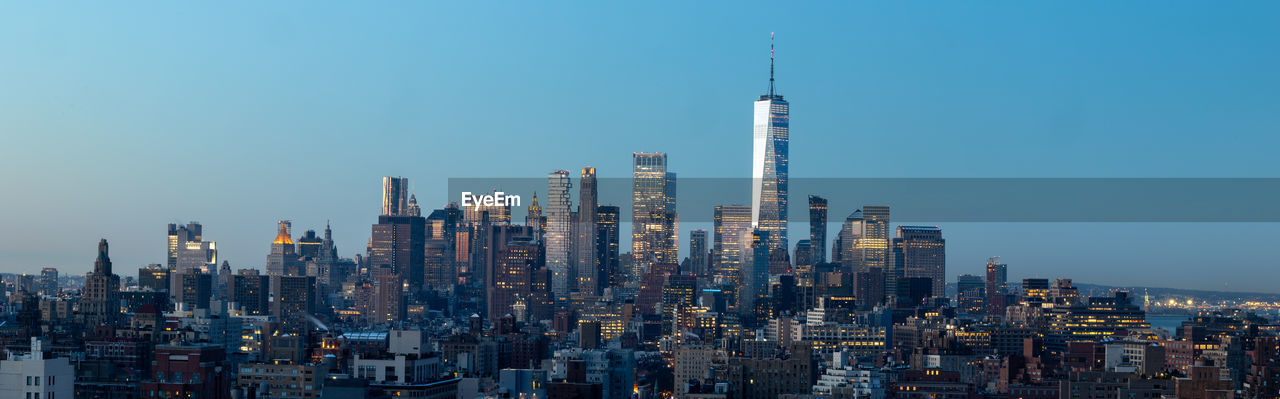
{"points": [[116, 120]]}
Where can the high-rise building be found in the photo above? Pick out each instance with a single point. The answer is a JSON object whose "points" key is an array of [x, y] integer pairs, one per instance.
{"points": [[865, 239], [250, 291], [654, 222], [283, 259], [188, 250], [154, 277], [607, 221], [395, 198], [535, 219], [586, 263], [400, 242], [520, 282], [100, 303], [817, 229], [731, 241], [294, 304], [997, 286], [178, 236], [309, 245], [922, 253], [191, 289], [755, 277], [559, 235], [698, 252], [769, 165], [970, 291], [48, 281]]}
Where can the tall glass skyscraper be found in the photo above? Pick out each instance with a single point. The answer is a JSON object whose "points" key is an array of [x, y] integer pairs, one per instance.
{"points": [[769, 165], [731, 241], [559, 230], [654, 221], [395, 198]]}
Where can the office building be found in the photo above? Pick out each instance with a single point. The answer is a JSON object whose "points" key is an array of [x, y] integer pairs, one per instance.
{"points": [[294, 304], [698, 252], [400, 243], [283, 259], [731, 241], [654, 221], [920, 251], [607, 225], [250, 291], [865, 239], [395, 198], [586, 263], [48, 281], [997, 286], [817, 229], [769, 165]]}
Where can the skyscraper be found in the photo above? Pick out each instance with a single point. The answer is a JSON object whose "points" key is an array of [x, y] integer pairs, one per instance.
{"points": [[698, 252], [400, 243], [607, 220], [817, 229], [294, 305], [48, 281], [283, 259], [769, 164], [395, 196], [585, 260], [559, 236], [100, 303], [865, 237], [922, 253], [731, 240], [997, 285], [654, 221], [755, 277], [188, 250], [178, 236]]}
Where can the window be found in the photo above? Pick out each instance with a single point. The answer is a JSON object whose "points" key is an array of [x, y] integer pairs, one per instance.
{"points": [[37, 384], [51, 383]]}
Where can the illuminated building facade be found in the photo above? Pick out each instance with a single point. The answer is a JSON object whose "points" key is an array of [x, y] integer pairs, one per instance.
{"points": [[731, 240], [654, 223], [283, 259], [395, 198], [769, 165], [559, 234]]}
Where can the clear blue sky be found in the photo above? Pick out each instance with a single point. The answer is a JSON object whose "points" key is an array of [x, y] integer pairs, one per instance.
{"points": [[117, 118]]}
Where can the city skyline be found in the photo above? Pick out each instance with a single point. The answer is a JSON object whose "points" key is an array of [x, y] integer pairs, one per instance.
{"points": [[135, 162]]}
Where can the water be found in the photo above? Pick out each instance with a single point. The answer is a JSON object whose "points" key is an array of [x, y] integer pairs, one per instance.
{"points": [[1169, 322]]}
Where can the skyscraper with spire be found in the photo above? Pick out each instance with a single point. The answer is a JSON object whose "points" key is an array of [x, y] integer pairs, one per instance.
{"points": [[769, 164]]}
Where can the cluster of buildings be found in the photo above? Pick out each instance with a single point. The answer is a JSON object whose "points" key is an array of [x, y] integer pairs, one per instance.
{"points": [[468, 301]]}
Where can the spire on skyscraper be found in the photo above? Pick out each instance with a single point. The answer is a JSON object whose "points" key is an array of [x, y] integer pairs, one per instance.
{"points": [[770, 64]]}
